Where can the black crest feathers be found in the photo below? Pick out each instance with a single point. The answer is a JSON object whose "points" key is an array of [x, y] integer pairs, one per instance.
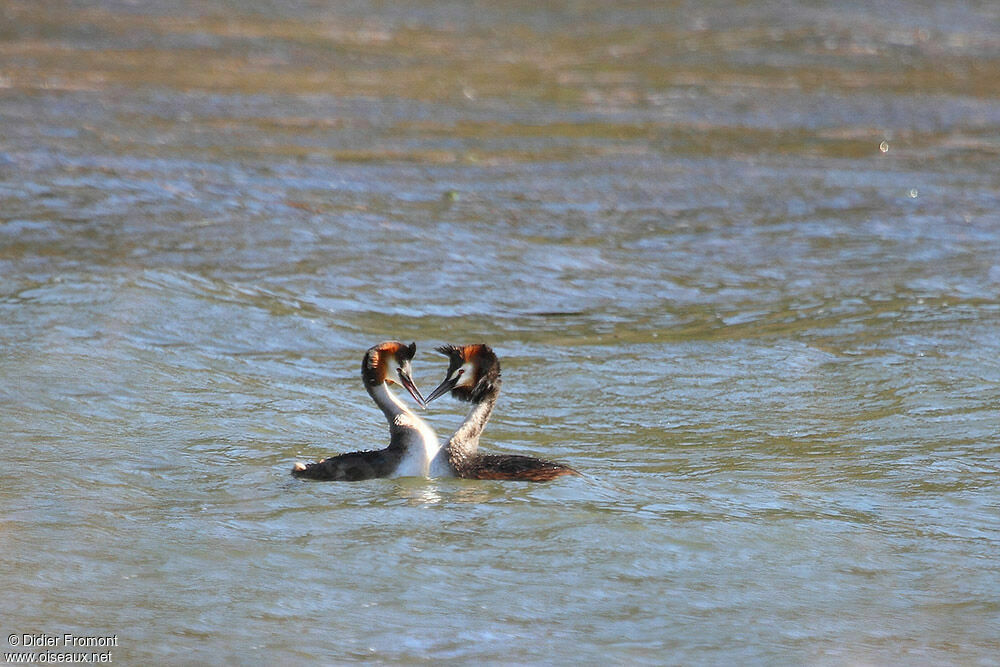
{"points": [[485, 364], [375, 365]]}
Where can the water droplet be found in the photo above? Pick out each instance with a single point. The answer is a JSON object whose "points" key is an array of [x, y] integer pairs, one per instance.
{"points": [[913, 193]]}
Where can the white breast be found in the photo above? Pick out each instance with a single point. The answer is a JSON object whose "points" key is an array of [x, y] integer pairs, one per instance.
{"points": [[422, 447]]}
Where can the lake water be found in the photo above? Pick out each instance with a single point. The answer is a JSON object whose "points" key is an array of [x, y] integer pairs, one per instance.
{"points": [[740, 261]]}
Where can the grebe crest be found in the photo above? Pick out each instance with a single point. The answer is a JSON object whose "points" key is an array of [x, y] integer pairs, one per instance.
{"points": [[473, 372], [389, 362]]}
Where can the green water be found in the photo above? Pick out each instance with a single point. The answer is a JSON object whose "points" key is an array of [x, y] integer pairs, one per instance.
{"points": [[740, 262]]}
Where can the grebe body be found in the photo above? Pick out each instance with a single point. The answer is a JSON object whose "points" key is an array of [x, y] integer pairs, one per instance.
{"points": [[474, 377], [413, 445]]}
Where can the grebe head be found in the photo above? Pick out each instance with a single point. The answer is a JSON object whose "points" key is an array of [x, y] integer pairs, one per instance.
{"points": [[473, 370], [389, 362]]}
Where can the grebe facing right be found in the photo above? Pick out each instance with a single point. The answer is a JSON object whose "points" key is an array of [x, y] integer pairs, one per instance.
{"points": [[412, 443], [474, 377]]}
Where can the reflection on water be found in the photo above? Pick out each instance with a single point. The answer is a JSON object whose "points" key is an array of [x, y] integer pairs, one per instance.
{"points": [[739, 261]]}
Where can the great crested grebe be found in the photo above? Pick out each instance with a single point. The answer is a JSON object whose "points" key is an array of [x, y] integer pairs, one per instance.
{"points": [[412, 443], [474, 377]]}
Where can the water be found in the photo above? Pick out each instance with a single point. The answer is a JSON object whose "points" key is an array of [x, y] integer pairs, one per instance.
{"points": [[739, 261]]}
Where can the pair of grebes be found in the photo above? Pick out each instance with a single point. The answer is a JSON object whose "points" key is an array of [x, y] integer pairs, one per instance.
{"points": [[414, 451]]}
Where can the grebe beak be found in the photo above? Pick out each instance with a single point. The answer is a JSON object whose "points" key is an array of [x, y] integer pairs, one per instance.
{"points": [[407, 382], [443, 388]]}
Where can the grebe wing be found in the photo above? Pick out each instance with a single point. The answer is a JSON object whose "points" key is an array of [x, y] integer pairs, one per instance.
{"points": [[514, 467], [351, 467]]}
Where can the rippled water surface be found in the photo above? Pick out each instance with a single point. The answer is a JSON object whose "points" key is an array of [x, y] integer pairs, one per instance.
{"points": [[740, 261]]}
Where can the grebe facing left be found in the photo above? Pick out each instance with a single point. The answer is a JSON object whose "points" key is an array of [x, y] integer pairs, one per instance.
{"points": [[412, 443], [474, 377]]}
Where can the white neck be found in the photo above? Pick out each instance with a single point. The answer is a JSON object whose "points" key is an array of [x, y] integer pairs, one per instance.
{"points": [[465, 442], [407, 431]]}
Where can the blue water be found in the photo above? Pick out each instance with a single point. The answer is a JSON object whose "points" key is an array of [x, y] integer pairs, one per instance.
{"points": [[740, 264]]}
